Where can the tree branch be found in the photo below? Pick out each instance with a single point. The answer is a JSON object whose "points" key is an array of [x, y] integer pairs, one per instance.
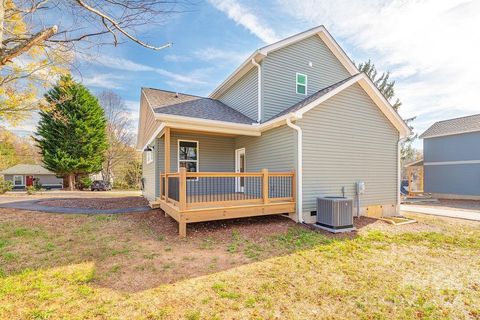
{"points": [[119, 28], [7, 55]]}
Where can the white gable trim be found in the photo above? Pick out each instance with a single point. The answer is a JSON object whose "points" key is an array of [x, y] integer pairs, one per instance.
{"points": [[326, 37], [373, 93], [261, 53]]}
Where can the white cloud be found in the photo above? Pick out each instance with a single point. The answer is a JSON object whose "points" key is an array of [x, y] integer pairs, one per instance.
{"points": [[176, 58], [133, 105], [128, 65], [244, 17], [210, 54], [103, 80], [430, 46]]}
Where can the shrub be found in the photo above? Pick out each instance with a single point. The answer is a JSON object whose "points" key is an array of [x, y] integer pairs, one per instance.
{"points": [[84, 183], [5, 186], [31, 190], [120, 184], [37, 185]]}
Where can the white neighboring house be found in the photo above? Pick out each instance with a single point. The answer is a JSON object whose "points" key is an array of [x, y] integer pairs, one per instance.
{"points": [[24, 175]]}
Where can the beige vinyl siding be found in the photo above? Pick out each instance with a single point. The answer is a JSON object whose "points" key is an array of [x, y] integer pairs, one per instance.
{"points": [[348, 139], [279, 70], [243, 95], [149, 174], [274, 150], [147, 123], [216, 153], [160, 152], [44, 179], [48, 179]]}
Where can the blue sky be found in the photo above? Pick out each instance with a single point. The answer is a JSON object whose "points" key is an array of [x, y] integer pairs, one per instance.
{"points": [[431, 47]]}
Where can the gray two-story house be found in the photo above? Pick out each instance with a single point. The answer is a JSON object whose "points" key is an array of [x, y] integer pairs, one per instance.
{"points": [[451, 158], [296, 120]]}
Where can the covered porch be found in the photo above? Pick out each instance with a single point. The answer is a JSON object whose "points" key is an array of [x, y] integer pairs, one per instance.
{"points": [[205, 183]]}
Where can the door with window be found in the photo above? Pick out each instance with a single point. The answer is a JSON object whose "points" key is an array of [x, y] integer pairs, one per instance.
{"points": [[240, 167]]}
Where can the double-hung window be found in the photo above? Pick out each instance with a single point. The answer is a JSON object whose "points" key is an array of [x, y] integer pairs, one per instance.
{"points": [[18, 180], [188, 155], [301, 83]]}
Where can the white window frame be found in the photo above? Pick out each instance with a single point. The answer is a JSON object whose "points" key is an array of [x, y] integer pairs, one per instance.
{"points": [[297, 83], [14, 182], [149, 156], [198, 156]]}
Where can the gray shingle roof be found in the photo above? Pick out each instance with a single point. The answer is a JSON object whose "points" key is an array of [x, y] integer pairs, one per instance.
{"points": [[313, 97], [26, 169], [158, 98], [453, 126], [179, 104], [167, 102]]}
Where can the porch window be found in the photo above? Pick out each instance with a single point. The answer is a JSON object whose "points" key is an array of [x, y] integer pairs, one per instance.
{"points": [[18, 180], [301, 83], [188, 155]]}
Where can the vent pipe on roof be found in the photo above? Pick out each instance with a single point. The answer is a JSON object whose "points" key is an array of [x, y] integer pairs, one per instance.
{"points": [[176, 94], [259, 88]]}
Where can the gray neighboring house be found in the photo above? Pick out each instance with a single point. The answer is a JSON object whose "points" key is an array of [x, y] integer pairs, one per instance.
{"points": [[24, 175], [451, 158], [299, 105]]}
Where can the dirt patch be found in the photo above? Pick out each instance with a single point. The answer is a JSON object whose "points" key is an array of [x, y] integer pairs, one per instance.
{"points": [[97, 203]]}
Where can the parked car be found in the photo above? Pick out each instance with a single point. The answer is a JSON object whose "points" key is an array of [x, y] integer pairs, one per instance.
{"points": [[99, 185]]}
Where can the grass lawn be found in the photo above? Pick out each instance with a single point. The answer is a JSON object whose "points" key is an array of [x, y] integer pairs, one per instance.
{"points": [[135, 267]]}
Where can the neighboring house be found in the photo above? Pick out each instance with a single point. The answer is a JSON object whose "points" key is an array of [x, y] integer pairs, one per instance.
{"points": [[24, 175], [451, 158], [295, 121]]}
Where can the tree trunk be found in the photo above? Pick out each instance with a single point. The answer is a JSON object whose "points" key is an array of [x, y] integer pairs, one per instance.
{"points": [[71, 182], [2, 17]]}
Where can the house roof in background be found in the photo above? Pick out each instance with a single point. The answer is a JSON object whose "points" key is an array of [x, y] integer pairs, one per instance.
{"points": [[32, 169], [453, 126], [170, 103]]}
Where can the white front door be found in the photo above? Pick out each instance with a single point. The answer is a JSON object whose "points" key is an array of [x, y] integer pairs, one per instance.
{"points": [[240, 167]]}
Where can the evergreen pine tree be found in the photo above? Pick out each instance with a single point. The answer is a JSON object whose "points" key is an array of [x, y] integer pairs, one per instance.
{"points": [[71, 133]]}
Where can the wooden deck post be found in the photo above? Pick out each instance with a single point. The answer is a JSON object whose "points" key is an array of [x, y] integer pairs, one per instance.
{"points": [[167, 159], [182, 186], [265, 185], [294, 186], [182, 229]]}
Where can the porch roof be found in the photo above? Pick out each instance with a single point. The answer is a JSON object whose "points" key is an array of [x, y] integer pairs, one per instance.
{"points": [[179, 104]]}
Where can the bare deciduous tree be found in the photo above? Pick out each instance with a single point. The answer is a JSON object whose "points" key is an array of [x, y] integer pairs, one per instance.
{"points": [[119, 132], [76, 21], [39, 40]]}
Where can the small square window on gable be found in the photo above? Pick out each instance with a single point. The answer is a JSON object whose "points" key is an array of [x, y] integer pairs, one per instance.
{"points": [[301, 83]]}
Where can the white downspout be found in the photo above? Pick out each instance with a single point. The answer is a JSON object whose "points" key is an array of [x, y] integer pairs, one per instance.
{"points": [[399, 173], [299, 167], [259, 88]]}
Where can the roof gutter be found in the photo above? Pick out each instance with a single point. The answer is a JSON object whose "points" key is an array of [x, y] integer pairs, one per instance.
{"points": [[259, 88], [299, 174]]}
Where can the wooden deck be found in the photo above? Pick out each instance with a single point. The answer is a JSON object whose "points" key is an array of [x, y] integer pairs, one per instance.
{"points": [[206, 196]]}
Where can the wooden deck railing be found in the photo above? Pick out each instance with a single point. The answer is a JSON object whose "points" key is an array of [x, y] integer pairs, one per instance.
{"points": [[192, 190]]}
